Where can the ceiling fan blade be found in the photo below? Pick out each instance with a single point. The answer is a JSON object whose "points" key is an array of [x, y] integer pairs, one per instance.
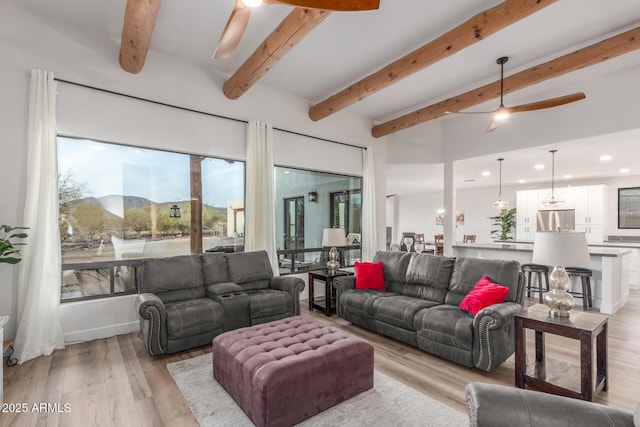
{"points": [[471, 112], [139, 21], [547, 103], [233, 31], [335, 5]]}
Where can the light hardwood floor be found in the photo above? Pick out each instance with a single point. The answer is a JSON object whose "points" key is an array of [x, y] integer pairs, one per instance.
{"points": [[114, 381]]}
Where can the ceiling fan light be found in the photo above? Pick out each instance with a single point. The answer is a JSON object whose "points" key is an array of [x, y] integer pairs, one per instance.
{"points": [[501, 115], [252, 3]]}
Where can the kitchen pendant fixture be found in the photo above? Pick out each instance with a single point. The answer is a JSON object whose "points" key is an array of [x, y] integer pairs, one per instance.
{"points": [[500, 203], [552, 201]]}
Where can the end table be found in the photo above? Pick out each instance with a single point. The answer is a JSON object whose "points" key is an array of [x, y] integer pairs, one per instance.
{"points": [[558, 377], [328, 305]]}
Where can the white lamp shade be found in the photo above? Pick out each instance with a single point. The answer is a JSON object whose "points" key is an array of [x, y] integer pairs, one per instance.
{"points": [[334, 237], [561, 248]]}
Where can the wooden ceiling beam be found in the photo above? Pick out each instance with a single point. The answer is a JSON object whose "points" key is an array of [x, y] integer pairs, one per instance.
{"points": [[472, 31], [594, 54], [289, 33], [139, 21]]}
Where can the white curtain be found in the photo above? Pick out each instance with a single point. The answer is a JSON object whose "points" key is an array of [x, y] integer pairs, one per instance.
{"points": [[369, 231], [260, 224], [39, 277]]}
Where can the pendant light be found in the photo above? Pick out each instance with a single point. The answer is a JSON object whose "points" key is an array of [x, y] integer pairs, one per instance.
{"points": [[552, 201], [500, 203]]}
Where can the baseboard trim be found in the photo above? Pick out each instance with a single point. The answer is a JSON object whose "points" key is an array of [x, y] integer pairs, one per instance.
{"points": [[100, 333]]}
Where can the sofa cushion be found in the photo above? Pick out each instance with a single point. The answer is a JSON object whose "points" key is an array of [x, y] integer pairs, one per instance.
{"points": [[395, 268], [269, 302], [468, 271], [214, 268], [428, 277], [484, 294], [399, 310], [193, 317], [446, 324], [369, 275], [360, 301], [174, 278], [244, 267]]}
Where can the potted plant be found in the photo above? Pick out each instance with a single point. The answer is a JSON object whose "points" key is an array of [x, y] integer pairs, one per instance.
{"points": [[9, 236], [504, 223]]}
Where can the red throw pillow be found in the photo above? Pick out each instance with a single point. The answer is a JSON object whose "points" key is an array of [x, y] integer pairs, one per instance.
{"points": [[484, 294], [370, 275]]}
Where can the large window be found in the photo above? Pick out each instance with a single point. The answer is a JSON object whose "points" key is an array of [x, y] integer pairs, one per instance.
{"points": [[306, 203], [121, 204]]}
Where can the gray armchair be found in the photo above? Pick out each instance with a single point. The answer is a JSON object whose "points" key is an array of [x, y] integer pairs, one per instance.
{"points": [[493, 405]]}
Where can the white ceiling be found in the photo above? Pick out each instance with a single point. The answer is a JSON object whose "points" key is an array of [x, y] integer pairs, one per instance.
{"points": [[350, 45]]}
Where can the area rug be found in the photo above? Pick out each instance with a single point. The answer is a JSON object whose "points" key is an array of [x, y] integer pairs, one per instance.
{"points": [[388, 403]]}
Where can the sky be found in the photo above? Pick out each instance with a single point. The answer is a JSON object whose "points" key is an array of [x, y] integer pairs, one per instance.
{"points": [[159, 176]]}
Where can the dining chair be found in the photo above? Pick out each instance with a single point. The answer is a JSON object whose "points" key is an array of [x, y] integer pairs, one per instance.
{"points": [[438, 240]]}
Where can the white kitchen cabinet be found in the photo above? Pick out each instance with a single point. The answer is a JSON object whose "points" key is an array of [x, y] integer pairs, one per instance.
{"points": [[589, 206], [589, 201], [594, 232], [526, 208], [526, 232]]}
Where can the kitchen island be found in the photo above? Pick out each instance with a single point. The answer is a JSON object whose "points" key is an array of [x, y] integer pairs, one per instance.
{"points": [[610, 266]]}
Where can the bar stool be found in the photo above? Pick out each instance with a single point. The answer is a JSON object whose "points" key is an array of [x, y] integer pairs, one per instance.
{"points": [[585, 278], [538, 271]]}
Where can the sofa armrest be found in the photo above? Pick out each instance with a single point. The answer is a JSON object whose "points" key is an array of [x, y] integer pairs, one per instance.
{"points": [[494, 405], [341, 284], [153, 321], [218, 289], [493, 330], [293, 286]]}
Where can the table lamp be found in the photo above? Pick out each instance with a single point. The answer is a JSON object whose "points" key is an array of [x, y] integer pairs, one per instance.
{"points": [[560, 249], [333, 237]]}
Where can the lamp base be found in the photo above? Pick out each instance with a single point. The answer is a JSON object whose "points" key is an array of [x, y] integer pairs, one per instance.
{"points": [[333, 264], [559, 301]]}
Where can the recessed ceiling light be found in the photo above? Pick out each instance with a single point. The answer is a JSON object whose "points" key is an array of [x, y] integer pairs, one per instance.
{"points": [[568, 176], [486, 173], [539, 166], [624, 170], [605, 157], [521, 181]]}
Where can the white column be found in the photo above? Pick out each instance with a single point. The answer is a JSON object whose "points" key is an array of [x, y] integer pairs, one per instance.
{"points": [[449, 225]]}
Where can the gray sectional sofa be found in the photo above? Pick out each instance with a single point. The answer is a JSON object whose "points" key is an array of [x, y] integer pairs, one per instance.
{"points": [[185, 301], [420, 306]]}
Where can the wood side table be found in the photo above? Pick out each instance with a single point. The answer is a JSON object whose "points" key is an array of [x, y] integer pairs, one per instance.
{"points": [[328, 305], [557, 377]]}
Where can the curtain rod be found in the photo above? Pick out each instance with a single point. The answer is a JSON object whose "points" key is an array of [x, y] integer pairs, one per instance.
{"points": [[191, 110]]}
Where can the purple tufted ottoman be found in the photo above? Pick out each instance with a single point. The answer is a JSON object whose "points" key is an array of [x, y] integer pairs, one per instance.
{"points": [[286, 371]]}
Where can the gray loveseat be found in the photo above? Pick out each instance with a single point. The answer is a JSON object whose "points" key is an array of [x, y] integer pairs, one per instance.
{"points": [[420, 306], [185, 301]]}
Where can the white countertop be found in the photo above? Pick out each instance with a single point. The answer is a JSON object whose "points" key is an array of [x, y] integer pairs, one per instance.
{"points": [[528, 247], [608, 244]]}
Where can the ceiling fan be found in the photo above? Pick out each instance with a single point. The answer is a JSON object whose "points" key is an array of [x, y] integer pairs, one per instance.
{"points": [[502, 113], [239, 18]]}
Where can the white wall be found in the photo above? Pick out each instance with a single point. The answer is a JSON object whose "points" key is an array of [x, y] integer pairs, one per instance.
{"points": [[26, 43]]}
